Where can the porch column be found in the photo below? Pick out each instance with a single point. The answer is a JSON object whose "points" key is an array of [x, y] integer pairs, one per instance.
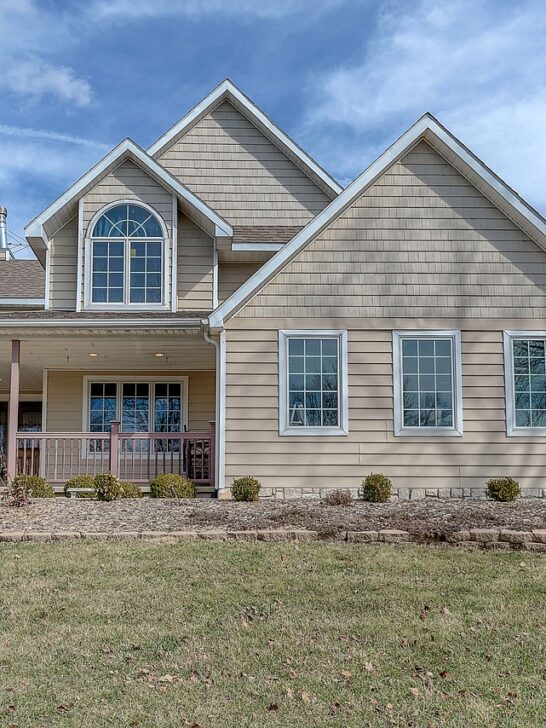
{"points": [[13, 407]]}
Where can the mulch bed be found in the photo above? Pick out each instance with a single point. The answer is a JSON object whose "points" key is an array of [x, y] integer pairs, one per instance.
{"points": [[427, 518]]}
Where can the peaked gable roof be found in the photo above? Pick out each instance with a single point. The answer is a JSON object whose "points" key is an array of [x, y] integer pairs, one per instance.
{"points": [[227, 91], [427, 128], [65, 207]]}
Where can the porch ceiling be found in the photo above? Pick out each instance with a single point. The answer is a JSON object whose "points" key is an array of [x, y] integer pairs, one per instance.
{"points": [[124, 352]]}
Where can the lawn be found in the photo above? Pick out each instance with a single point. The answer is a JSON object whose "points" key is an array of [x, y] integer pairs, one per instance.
{"points": [[232, 634]]}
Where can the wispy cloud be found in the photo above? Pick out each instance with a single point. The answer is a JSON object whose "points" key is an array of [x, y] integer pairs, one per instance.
{"points": [[478, 66], [26, 132], [267, 9]]}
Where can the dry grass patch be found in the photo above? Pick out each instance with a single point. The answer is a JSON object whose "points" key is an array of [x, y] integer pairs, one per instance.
{"points": [[141, 634]]}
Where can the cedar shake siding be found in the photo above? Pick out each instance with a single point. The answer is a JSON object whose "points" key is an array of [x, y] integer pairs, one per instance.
{"points": [[421, 249], [242, 175]]}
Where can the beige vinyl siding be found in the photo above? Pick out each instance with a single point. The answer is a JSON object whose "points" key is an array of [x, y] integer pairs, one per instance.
{"points": [[254, 446], [421, 250], [65, 393], [232, 275], [194, 268], [241, 174], [63, 267], [128, 182], [421, 243]]}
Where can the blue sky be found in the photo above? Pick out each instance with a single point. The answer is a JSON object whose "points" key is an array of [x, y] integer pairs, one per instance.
{"points": [[343, 77]]}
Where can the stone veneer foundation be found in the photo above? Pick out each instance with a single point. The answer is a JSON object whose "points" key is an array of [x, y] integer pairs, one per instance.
{"points": [[397, 493]]}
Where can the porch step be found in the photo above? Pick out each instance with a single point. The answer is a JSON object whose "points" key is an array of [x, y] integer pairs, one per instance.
{"points": [[205, 491]]}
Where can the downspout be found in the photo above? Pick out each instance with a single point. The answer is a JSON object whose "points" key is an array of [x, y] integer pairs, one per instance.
{"points": [[219, 344]]}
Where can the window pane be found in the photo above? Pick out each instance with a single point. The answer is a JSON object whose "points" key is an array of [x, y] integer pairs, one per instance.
{"points": [[145, 280], [313, 384], [168, 413], [427, 382], [135, 407], [102, 406], [107, 281], [529, 362]]}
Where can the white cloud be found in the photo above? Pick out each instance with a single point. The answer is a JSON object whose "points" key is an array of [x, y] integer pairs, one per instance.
{"points": [[31, 74], [476, 65], [35, 77], [267, 9]]}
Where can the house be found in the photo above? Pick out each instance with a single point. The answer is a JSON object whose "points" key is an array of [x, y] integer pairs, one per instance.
{"points": [[218, 305]]}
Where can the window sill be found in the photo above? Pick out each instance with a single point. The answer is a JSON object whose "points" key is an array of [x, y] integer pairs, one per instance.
{"points": [[527, 432], [126, 307], [428, 432], [313, 432]]}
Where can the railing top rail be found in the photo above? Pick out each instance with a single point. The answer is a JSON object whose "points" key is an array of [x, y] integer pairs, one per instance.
{"points": [[164, 435], [106, 435]]}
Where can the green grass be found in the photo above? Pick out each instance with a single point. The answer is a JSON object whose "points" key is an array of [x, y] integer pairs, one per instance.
{"points": [[269, 635]]}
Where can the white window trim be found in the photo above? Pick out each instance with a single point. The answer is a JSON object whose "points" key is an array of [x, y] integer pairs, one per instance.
{"points": [[343, 394], [165, 304], [509, 389], [399, 429], [88, 380]]}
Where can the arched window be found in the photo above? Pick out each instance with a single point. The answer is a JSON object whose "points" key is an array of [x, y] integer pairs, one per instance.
{"points": [[127, 257]]}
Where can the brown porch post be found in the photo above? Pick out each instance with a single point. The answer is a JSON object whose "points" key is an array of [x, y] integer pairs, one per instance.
{"points": [[13, 407], [212, 453]]}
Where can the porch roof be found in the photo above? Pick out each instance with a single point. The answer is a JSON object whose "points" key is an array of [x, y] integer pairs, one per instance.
{"points": [[112, 351]]}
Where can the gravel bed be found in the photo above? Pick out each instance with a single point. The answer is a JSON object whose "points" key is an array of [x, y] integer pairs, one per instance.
{"points": [[431, 517]]}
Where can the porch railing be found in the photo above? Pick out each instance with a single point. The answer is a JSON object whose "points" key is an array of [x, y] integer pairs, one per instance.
{"points": [[134, 456]]}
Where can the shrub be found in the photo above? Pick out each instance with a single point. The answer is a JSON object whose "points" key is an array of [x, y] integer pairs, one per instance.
{"points": [[245, 489], [81, 481], [338, 498], [36, 486], [170, 485], [130, 490], [16, 494], [107, 487], [376, 488], [503, 489]]}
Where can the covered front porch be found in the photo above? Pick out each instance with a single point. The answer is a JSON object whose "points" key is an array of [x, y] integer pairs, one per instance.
{"points": [[133, 402]]}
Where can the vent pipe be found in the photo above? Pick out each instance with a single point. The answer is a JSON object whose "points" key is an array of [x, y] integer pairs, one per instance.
{"points": [[3, 228]]}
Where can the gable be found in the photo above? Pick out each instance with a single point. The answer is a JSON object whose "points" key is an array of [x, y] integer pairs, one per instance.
{"points": [[128, 182], [421, 242], [240, 173]]}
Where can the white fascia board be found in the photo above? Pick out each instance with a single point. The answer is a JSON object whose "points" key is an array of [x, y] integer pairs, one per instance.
{"points": [[426, 126], [129, 149], [228, 91], [256, 247]]}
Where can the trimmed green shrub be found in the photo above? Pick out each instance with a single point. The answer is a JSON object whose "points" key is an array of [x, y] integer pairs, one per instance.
{"points": [[130, 490], [503, 489], [81, 481], [376, 488], [338, 498], [107, 486], [171, 485], [36, 486], [246, 489]]}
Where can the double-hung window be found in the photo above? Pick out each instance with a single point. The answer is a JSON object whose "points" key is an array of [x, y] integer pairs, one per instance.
{"points": [[313, 382], [126, 258], [525, 380], [427, 383]]}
